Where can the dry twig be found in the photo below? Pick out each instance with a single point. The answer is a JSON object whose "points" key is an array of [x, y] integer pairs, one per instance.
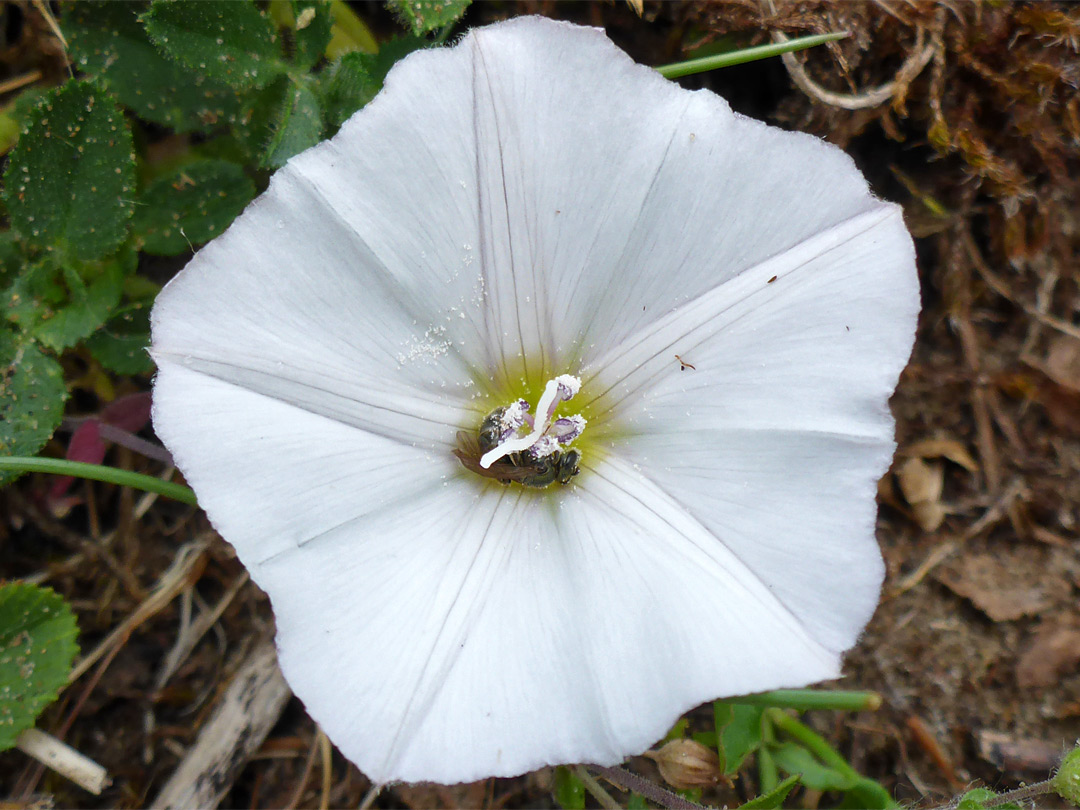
{"points": [[247, 711]]}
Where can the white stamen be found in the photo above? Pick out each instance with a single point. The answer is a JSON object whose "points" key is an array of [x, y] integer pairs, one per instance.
{"points": [[561, 389]]}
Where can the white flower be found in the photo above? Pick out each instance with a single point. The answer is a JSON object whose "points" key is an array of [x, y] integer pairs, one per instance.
{"points": [[527, 205]]}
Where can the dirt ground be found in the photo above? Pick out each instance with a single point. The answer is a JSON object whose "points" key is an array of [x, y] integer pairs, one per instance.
{"points": [[968, 115]]}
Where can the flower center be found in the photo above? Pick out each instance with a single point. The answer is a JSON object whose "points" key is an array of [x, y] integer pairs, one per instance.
{"points": [[532, 449]]}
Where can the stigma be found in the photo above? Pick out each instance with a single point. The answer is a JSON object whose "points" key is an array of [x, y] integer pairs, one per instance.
{"points": [[547, 434]]}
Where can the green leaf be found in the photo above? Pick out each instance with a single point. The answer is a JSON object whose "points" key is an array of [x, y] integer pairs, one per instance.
{"points": [[37, 646], [636, 802], [867, 794], [422, 16], [774, 799], [349, 32], [69, 181], [92, 301], [313, 22], [121, 344], [11, 258], [390, 53], [228, 41], [977, 798], [32, 396], [107, 40], [569, 790], [59, 306], [740, 735], [285, 121], [190, 205], [793, 758], [346, 87]]}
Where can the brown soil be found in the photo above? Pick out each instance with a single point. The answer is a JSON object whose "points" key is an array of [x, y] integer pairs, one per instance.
{"points": [[976, 645]]}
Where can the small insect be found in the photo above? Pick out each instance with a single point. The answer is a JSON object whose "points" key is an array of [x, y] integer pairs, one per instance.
{"points": [[683, 365], [518, 468], [771, 280]]}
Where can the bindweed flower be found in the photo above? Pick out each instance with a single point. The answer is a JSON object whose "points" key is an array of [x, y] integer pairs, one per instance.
{"points": [[546, 401]]}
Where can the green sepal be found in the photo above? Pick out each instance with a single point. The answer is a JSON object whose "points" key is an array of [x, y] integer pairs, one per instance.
{"points": [[190, 205], [228, 41], [774, 799], [108, 41], [69, 181], [423, 16], [37, 647]]}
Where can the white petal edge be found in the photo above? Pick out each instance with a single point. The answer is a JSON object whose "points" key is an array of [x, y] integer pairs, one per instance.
{"points": [[541, 632]]}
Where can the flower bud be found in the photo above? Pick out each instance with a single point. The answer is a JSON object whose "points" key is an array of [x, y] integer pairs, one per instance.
{"points": [[1066, 781], [686, 764]]}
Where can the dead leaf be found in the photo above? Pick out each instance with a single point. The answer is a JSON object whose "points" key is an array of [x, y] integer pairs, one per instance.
{"points": [[1010, 753], [1062, 364], [922, 483], [950, 449], [1005, 586], [1054, 651]]}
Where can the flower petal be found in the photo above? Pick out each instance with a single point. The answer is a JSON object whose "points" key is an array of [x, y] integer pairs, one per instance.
{"points": [[776, 439], [538, 632]]}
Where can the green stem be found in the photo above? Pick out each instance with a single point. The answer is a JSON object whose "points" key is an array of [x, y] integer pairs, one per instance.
{"points": [[768, 774], [1020, 794], [812, 742], [596, 789], [98, 472], [643, 787], [729, 58], [804, 700]]}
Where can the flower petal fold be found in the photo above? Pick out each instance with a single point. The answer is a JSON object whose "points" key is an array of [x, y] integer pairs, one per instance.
{"points": [[538, 632]]}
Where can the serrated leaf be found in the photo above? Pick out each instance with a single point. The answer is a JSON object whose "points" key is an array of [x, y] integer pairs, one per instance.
{"points": [[122, 344], [569, 790], [228, 41], [107, 40], [32, 396], [70, 179], [190, 206], [37, 647], [774, 799], [346, 87], [422, 16], [286, 120], [92, 300], [59, 306], [794, 759], [313, 22]]}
